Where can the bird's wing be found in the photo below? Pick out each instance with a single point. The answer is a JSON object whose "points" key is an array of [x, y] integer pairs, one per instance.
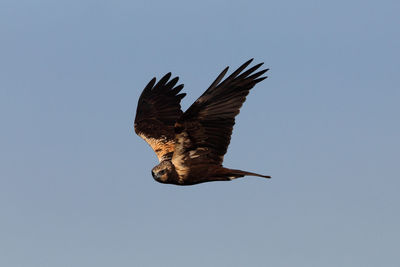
{"points": [[204, 131], [157, 111]]}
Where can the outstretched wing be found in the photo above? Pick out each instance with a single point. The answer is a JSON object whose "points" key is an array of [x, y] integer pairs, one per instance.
{"points": [[204, 130], [157, 111]]}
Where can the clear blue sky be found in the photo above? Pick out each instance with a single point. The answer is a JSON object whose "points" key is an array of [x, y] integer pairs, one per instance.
{"points": [[75, 183]]}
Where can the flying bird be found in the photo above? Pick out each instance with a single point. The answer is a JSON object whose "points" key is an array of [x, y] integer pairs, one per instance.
{"points": [[191, 145]]}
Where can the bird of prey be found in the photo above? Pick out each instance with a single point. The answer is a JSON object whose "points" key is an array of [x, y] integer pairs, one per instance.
{"points": [[191, 145]]}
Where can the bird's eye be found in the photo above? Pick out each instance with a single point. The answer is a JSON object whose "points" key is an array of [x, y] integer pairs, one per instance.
{"points": [[161, 172]]}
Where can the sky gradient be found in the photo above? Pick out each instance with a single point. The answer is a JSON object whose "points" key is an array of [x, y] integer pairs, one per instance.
{"points": [[75, 182]]}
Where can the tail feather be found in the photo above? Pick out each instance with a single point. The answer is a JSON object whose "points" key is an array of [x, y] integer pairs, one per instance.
{"points": [[233, 174]]}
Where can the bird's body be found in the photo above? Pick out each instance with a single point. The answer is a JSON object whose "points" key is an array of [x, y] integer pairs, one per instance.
{"points": [[191, 145]]}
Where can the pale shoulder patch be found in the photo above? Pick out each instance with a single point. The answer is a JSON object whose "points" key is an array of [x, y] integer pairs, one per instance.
{"points": [[161, 146]]}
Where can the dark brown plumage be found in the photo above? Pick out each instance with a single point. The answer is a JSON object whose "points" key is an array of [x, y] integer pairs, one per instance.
{"points": [[191, 145]]}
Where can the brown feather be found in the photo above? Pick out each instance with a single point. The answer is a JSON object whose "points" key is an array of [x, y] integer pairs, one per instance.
{"points": [[157, 111], [209, 121]]}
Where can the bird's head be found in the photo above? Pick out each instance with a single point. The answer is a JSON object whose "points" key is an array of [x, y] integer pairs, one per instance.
{"points": [[163, 172]]}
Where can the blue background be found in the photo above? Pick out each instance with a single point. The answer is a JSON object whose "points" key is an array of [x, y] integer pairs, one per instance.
{"points": [[75, 183]]}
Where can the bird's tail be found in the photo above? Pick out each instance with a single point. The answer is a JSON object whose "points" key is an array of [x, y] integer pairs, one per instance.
{"points": [[233, 174]]}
